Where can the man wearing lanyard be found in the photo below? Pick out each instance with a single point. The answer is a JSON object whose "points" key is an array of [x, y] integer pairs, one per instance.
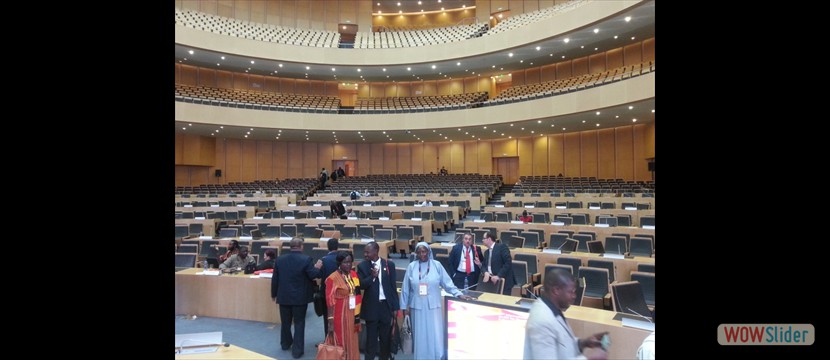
{"points": [[498, 263], [465, 259], [380, 301]]}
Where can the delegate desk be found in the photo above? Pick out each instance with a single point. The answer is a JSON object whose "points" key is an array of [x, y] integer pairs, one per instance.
{"points": [[289, 198], [512, 212], [585, 198], [231, 352], [455, 210], [236, 296], [476, 200], [424, 224], [587, 321], [602, 232], [250, 211], [276, 200], [623, 267], [209, 226]]}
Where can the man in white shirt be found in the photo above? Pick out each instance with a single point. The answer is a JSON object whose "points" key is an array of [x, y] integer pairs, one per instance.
{"points": [[379, 302], [426, 203], [646, 350]]}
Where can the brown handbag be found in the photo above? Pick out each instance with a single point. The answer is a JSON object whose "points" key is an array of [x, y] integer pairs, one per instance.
{"points": [[329, 350]]}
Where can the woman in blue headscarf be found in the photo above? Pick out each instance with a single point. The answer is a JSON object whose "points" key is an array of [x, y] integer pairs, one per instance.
{"points": [[421, 300]]}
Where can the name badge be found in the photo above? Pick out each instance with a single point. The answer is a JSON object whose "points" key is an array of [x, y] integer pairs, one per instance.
{"points": [[422, 289], [352, 302]]}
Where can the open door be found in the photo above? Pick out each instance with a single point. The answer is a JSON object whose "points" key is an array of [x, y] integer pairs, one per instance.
{"points": [[349, 166]]}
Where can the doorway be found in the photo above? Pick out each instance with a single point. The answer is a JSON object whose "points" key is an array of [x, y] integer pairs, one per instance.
{"points": [[349, 166], [508, 168]]}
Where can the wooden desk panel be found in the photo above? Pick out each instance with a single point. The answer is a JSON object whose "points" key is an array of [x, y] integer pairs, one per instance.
{"points": [[235, 296], [601, 232], [250, 210], [425, 224], [454, 209], [208, 225], [476, 201], [286, 198], [624, 267], [585, 198]]}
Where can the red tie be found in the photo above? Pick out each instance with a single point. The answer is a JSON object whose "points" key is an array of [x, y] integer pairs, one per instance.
{"points": [[467, 259]]}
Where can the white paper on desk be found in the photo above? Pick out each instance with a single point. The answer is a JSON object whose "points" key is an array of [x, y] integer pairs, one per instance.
{"points": [[214, 205], [320, 218], [417, 205], [393, 204], [552, 251], [601, 225], [443, 205], [367, 204], [648, 227], [498, 206], [285, 238], [266, 275], [210, 273], [240, 205], [638, 324], [558, 223], [516, 222], [593, 208], [630, 208], [417, 219], [561, 207], [289, 218], [258, 217], [324, 239], [448, 244], [292, 205], [316, 204], [479, 220], [530, 206], [352, 218], [367, 240], [383, 218], [246, 238], [199, 350], [205, 237], [199, 218], [188, 205], [613, 256]]}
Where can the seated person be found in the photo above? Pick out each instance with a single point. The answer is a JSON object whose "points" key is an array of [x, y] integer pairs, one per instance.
{"points": [[367, 193], [354, 195], [233, 248], [239, 260], [350, 213], [337, 209], [525, 218], [426, 203], [270, 258]]}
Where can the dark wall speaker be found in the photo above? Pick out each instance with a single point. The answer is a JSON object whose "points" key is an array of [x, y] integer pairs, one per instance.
{"points": [[651, 166], [218, 172]]}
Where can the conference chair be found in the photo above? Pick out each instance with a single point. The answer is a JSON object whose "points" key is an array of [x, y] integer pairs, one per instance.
{"points": [[182, 232], [489, 287], [616, 245], [532, 266], [596, 286], [628, 298], [645, 268], [646, 281], [640, 247], [523, 283], [604, 264], [185, 260]]}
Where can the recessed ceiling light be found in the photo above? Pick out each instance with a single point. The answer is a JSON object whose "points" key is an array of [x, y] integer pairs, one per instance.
{"points": [[582, 47], [333, 69], [217, 64], [616, 117], [252, 61], [280, 65], [567, 40], [399, 4], [223, 58], [652, 111], [184, 128], [615, 36], [458, 64], [510, 54], [511, 124], [189, 124], [627, 18], [521, 61], [633, 120], [563, 56], [633, 37], [597, 124], [532, 132], [538, 121], [384, 69], [596, 31], [595, 49], [308, 67], [358, 70], [408, 69], [523, 129], [221, 127], [190, 52], [598, 112], [433, 66], [630, 107], [538, 48], [485, 127]]}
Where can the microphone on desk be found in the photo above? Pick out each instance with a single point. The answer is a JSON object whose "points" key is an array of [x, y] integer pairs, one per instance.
{"points": [[284, 234], [638, 314], [203, 344], [468, 287], [563, 244], [531, 293]]}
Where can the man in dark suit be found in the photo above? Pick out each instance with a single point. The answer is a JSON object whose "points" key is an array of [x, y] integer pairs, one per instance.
{"points": [[380, 300], [329, 266], [498, 263], [465, 262], [291, 288]]}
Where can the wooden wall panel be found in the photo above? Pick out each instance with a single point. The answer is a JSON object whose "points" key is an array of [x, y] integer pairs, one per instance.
{"points": [[505, 148], [317, 13], [484, 85], [525, 145], [649, 139], [272, 12], [625, 152], [417, 157], [540, 155], [272, 85], [178, 153], [248, 160], [363, 91], [301, 86], [221, 163], [431, 158], [390, 158], [444, 156], [189, 75], [325, 154], [348, 12], [648, 50], [288, 14], [331, 88], [470, 85], [517, 7], [548, 73], [404, 162], [206, 77], [417, 89], [614, 58], [233, 161], [295, 168], [364, 157], [264, 158], [376, 90], [280, 160], [302, 16], [588, 143], [310, 166], [563, 70], [345, 152], [596, 63], [633, 54], [430, 88], [531, 6], [572, 166], [256, 82], [556, 154], [317, 88], [286, 86], [606, 154], [641, 172], [377, 159], [182, 175], [443, 87], [333, 15], [470, 157], [404, 89], [518, 78], [532, 76], [258, 11], [456, 157], [485, 157], [242, 10], [390, 90], [580, 66], [240, 81], [200, 175], [225, 8]]}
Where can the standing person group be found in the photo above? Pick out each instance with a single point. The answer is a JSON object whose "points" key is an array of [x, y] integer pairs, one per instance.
{"points": [[465, 259]]}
